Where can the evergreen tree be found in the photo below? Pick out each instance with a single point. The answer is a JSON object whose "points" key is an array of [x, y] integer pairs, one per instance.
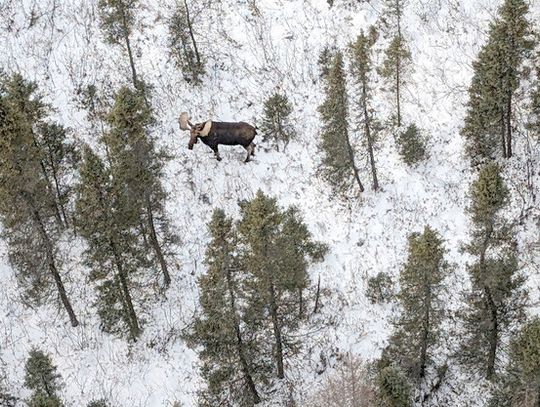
{"points": [[497, 72], [137, 167], [42, 377], [397, 60], [183, 46], [276, 249], [61, 159], [117, 20], [338, 166], [360, 51], [108, 223], [417, 329], [27, 203], [230, 362], [412, 148], [496, 301], [520, 386], [394, 389], [276, 124], [58, 155]]}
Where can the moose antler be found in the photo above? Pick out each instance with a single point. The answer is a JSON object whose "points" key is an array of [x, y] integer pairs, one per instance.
{"points": [[184, 122]]}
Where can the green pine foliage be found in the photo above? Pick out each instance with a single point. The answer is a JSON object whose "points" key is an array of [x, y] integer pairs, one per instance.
{"points": [[397, 62], [411, 145], [117, 21], [520, 385], [277, 249], [380, 288], [496, 301], [183, 46], [42, 377], [418, 327], [253, 299], [276, 126], [136, 167], [337, 166], [28, 205], [393, 388], [231, 364], [489, 123], [106, 220], [361, 66]]}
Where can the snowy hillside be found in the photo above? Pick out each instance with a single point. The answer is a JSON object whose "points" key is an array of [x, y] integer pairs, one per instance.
{"points": [[252, 48]]}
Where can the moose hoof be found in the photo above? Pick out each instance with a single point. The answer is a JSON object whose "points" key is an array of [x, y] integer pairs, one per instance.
{"points": [[218, 158]]}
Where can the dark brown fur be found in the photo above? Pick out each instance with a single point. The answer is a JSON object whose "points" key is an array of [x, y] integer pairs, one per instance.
{"points": [[230, 134]]}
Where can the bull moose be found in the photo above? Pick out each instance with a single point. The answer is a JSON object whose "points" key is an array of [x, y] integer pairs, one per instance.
{"points": [[214, 133]]}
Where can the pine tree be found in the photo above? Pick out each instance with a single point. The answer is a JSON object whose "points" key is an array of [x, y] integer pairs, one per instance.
{"points": [[276, 124], [61, 159], [360, 52], [520, 386], [276, 249], [412, 147], [137, 167], [230, 363], [496, 301], [397, 60], [42, 377], [117, 20], [107, 222], [338, 166], [417, 329], [394, 389], [183, 46], [58, 155], [497, 72], [28, 209]]}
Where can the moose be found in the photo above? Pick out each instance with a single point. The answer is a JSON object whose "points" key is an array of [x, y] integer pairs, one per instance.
{"points": [[214, 133]]}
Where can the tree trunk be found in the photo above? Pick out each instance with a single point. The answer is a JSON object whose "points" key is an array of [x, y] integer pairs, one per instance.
{"points": [[509, 126], [240, 344], [58, 194], [277, 333], [426, 328], [129, 51], [492, 307], [134, 329], [503, 134], [50, 260], [317, 295], [197, 56], [367, 130], [155, 243], [398, 65], [353, 164]]}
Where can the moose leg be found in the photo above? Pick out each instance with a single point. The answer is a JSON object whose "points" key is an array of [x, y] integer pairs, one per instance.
{"points": [[216, 153], [252, 148], [249, 150]]}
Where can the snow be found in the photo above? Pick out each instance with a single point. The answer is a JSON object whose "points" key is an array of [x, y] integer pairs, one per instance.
{"points": [[250, 53]]}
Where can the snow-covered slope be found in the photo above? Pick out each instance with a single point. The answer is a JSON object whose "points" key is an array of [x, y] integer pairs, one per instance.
{"points": [[251, 51]]}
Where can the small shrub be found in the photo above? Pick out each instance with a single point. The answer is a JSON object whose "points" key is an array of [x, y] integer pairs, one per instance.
{"points": [[276, 126], [394, 389], [412, 147], [380, 288]]}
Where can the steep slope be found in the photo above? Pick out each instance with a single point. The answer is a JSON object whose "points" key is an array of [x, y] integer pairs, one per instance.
{"points": [[251, 50]]}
